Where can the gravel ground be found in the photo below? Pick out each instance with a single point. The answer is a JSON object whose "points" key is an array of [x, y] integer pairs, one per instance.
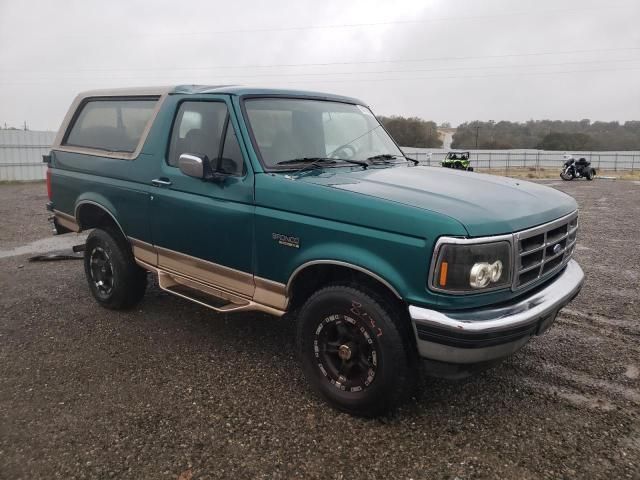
{"points": [[171, 389], [24, 217]]}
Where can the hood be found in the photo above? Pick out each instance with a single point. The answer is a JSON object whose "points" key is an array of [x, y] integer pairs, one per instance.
{"points": [[484, 204]]}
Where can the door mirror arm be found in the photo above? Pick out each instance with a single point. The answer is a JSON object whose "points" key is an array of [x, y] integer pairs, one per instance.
{"points": [[217, 177], [217, 174]]}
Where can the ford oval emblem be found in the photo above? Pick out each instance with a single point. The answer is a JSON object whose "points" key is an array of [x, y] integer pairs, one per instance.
{"points": [[557, 249]]}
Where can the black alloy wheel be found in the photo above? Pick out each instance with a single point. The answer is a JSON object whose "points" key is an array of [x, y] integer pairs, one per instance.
{"points": [[346, 352], [357, 349], [101, 271], [114, 278]]}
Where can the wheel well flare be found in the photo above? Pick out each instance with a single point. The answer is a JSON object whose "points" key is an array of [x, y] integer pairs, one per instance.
{"points": [[308, 279], [93, 215]]}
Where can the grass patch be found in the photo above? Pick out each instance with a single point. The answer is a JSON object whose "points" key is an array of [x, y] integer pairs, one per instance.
{"points": [[623, 175]]}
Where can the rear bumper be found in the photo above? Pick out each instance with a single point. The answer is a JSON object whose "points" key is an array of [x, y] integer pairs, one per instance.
{"points": [[479, 335]]}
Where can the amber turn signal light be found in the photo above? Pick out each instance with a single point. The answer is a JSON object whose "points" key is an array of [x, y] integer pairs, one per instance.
{"points": [[444, 267]]}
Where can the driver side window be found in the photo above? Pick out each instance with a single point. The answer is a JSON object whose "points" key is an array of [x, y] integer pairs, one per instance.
{"points": [[198, 130], [205, 129]]}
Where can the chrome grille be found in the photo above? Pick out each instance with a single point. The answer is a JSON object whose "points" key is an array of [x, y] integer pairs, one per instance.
{"points": [[543, 250]]}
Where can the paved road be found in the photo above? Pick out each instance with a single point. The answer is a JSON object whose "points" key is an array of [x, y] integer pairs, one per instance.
{"points": [[171, 388]]}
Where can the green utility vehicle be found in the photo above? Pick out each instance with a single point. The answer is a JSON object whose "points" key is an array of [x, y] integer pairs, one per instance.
{"points": [[300, 203], [458, 160]]}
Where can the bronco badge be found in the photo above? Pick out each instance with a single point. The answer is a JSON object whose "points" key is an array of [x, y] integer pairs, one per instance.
{"points": [[286, 240]]}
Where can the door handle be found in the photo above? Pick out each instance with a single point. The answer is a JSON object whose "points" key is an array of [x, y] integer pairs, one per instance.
{"points": [[161, 182]]}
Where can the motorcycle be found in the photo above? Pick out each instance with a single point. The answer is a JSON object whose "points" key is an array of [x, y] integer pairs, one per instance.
{"points": [[580, 169]]}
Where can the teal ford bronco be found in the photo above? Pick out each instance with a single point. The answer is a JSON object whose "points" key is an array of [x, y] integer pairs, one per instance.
{"points": [[295, 202]]}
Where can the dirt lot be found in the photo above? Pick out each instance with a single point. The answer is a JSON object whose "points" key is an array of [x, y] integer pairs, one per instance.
{"points": [[172, 388]]}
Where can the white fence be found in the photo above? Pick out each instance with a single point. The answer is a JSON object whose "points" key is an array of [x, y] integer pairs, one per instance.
{"points": [[21, 154], [21, 157], [532, 159]]}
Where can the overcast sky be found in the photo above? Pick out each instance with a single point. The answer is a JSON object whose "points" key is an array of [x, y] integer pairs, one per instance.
{"points": [[444, 60]]}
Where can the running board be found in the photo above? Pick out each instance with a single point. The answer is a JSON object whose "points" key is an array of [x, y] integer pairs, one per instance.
{"points": [[197, 292], [208, 296]]}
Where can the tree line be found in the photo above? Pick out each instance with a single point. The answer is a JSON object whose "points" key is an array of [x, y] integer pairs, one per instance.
{"points": [[549, 135], [412, 131], [534, 134]]}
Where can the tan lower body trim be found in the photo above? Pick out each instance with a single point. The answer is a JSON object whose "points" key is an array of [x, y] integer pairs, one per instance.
{"points": [[66, 221], [144, 251], [206, 272], [271, 293], [259, 293]]}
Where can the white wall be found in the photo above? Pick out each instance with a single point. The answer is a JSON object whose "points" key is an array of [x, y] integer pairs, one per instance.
{"points": [[21, 154]]}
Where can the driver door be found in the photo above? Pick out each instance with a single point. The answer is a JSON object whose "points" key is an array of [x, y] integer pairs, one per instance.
{"points": [[203, 229]]}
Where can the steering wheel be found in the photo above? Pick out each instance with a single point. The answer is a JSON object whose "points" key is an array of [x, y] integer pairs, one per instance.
{"points": [[346, 151]]}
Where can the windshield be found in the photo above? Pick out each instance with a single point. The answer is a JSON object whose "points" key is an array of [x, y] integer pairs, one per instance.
{"points": [[288, 129]]}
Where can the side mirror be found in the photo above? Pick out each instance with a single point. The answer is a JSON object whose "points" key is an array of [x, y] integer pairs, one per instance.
{"points": [[191, 165], [199, 167]]}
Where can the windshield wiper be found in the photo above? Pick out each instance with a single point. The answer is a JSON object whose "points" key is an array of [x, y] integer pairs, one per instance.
{"points": [[385, 157], [319, 161]]}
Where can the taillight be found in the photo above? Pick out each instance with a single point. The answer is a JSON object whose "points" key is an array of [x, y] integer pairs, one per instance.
{"points": [[49, 182]]}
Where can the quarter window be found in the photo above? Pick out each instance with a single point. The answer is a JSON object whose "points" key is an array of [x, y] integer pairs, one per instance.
{"points": [[231, 161], [111, 125]]}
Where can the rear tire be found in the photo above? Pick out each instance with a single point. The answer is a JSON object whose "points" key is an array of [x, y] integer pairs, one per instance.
{"points": [[356, 350], [114, 278]]}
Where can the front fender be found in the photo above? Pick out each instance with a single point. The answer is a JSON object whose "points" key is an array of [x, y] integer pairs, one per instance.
{"points": [[351, 257], [401, 261]]}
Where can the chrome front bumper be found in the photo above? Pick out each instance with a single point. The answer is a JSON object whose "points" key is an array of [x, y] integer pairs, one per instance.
{"points": [[484, 334]]}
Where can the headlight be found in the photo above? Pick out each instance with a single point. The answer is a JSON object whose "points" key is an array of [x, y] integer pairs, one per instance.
{"points": [[471, 267]]}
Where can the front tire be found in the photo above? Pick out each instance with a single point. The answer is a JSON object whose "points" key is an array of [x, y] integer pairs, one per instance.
{"points": [[356, 351], [590, 175], [566, 176], [115, 280]]}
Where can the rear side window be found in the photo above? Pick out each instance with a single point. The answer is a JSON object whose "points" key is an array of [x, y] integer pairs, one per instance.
{"points": [[112, 125]]}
